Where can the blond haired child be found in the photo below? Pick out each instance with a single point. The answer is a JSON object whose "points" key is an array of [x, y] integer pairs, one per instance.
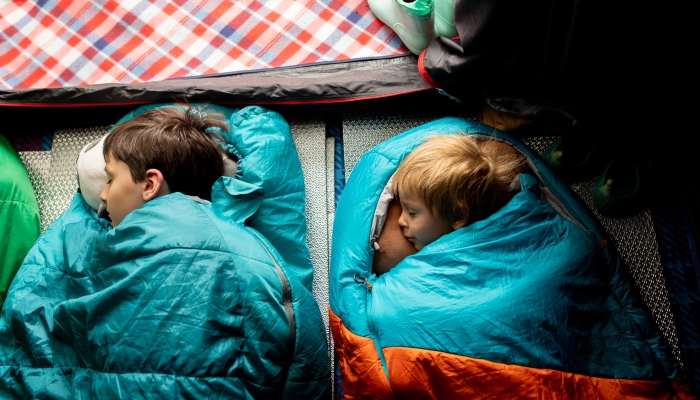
{"points": [[446, 183]]}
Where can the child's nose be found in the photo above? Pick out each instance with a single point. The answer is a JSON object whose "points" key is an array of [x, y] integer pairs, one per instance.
{"points": [[103, 195], [402, 220]]}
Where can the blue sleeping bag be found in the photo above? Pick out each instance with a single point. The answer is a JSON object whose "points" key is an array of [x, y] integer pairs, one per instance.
{"points": [[531, 302], [183, 299], [273, 202]]}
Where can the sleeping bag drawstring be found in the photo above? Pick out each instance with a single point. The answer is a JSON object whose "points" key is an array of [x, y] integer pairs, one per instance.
{"points": [[364, 280]]}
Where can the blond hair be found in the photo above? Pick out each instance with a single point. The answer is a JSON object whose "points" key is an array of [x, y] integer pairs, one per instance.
{"points": [[456, 179]]}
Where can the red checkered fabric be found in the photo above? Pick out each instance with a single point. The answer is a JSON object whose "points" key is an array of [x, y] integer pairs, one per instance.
{"points": [[73, 43]]}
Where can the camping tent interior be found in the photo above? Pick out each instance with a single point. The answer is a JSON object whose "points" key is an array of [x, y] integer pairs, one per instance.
{"points": [[338, 111]]}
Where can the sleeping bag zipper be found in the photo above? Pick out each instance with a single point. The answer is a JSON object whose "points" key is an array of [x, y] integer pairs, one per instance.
{"points": [[372, 329], [286, 299]]}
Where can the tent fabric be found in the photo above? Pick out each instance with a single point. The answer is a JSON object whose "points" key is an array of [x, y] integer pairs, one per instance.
{"points": [[679, 254], [356, 80], [20, 225], [92, 309], [48, 44], [533, 299], [58, 54]]}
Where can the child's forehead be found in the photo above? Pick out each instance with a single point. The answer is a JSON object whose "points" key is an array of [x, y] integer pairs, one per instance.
{"points": [[410, 198], [112, 159], [112, 163], [109, 160]]}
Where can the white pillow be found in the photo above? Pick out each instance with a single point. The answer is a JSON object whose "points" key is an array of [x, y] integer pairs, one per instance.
{"points": [[92, 177]]}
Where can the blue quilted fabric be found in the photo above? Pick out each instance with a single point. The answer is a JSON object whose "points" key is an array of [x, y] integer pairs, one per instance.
{"points": [[533, 285], [183, 299]]}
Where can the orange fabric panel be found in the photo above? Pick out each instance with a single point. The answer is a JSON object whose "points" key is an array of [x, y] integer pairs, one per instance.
{"points": [[428, 374], [682, 389], [360, 366]]}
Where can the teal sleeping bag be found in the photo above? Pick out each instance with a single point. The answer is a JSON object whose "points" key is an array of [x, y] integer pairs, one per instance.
{"points": [[531, 302], [274, 202], [183, 299]]}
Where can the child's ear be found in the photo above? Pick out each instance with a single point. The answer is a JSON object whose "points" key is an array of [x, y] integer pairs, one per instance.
{"points": [[459, 223], [154, 185]]}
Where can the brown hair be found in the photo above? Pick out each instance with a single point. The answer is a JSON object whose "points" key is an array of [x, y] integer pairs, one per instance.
{"points": [[455, 178], [175, 142]]}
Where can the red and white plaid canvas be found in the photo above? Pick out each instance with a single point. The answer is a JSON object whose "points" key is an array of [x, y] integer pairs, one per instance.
{"points": [[71, 43]]}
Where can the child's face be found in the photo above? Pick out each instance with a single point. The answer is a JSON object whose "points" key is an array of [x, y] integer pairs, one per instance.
{"points": [[121, 194], [419, 225]]}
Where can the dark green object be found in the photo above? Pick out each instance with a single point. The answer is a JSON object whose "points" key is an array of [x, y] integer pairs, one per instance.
{"points": [[576, 157], [620, 190]]}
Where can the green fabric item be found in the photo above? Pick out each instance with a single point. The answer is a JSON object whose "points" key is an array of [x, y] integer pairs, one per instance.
{"points": [[418, 7], [19, 224]]}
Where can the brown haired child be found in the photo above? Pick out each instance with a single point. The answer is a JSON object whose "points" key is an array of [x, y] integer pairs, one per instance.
{"points": [[161, 151]]}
